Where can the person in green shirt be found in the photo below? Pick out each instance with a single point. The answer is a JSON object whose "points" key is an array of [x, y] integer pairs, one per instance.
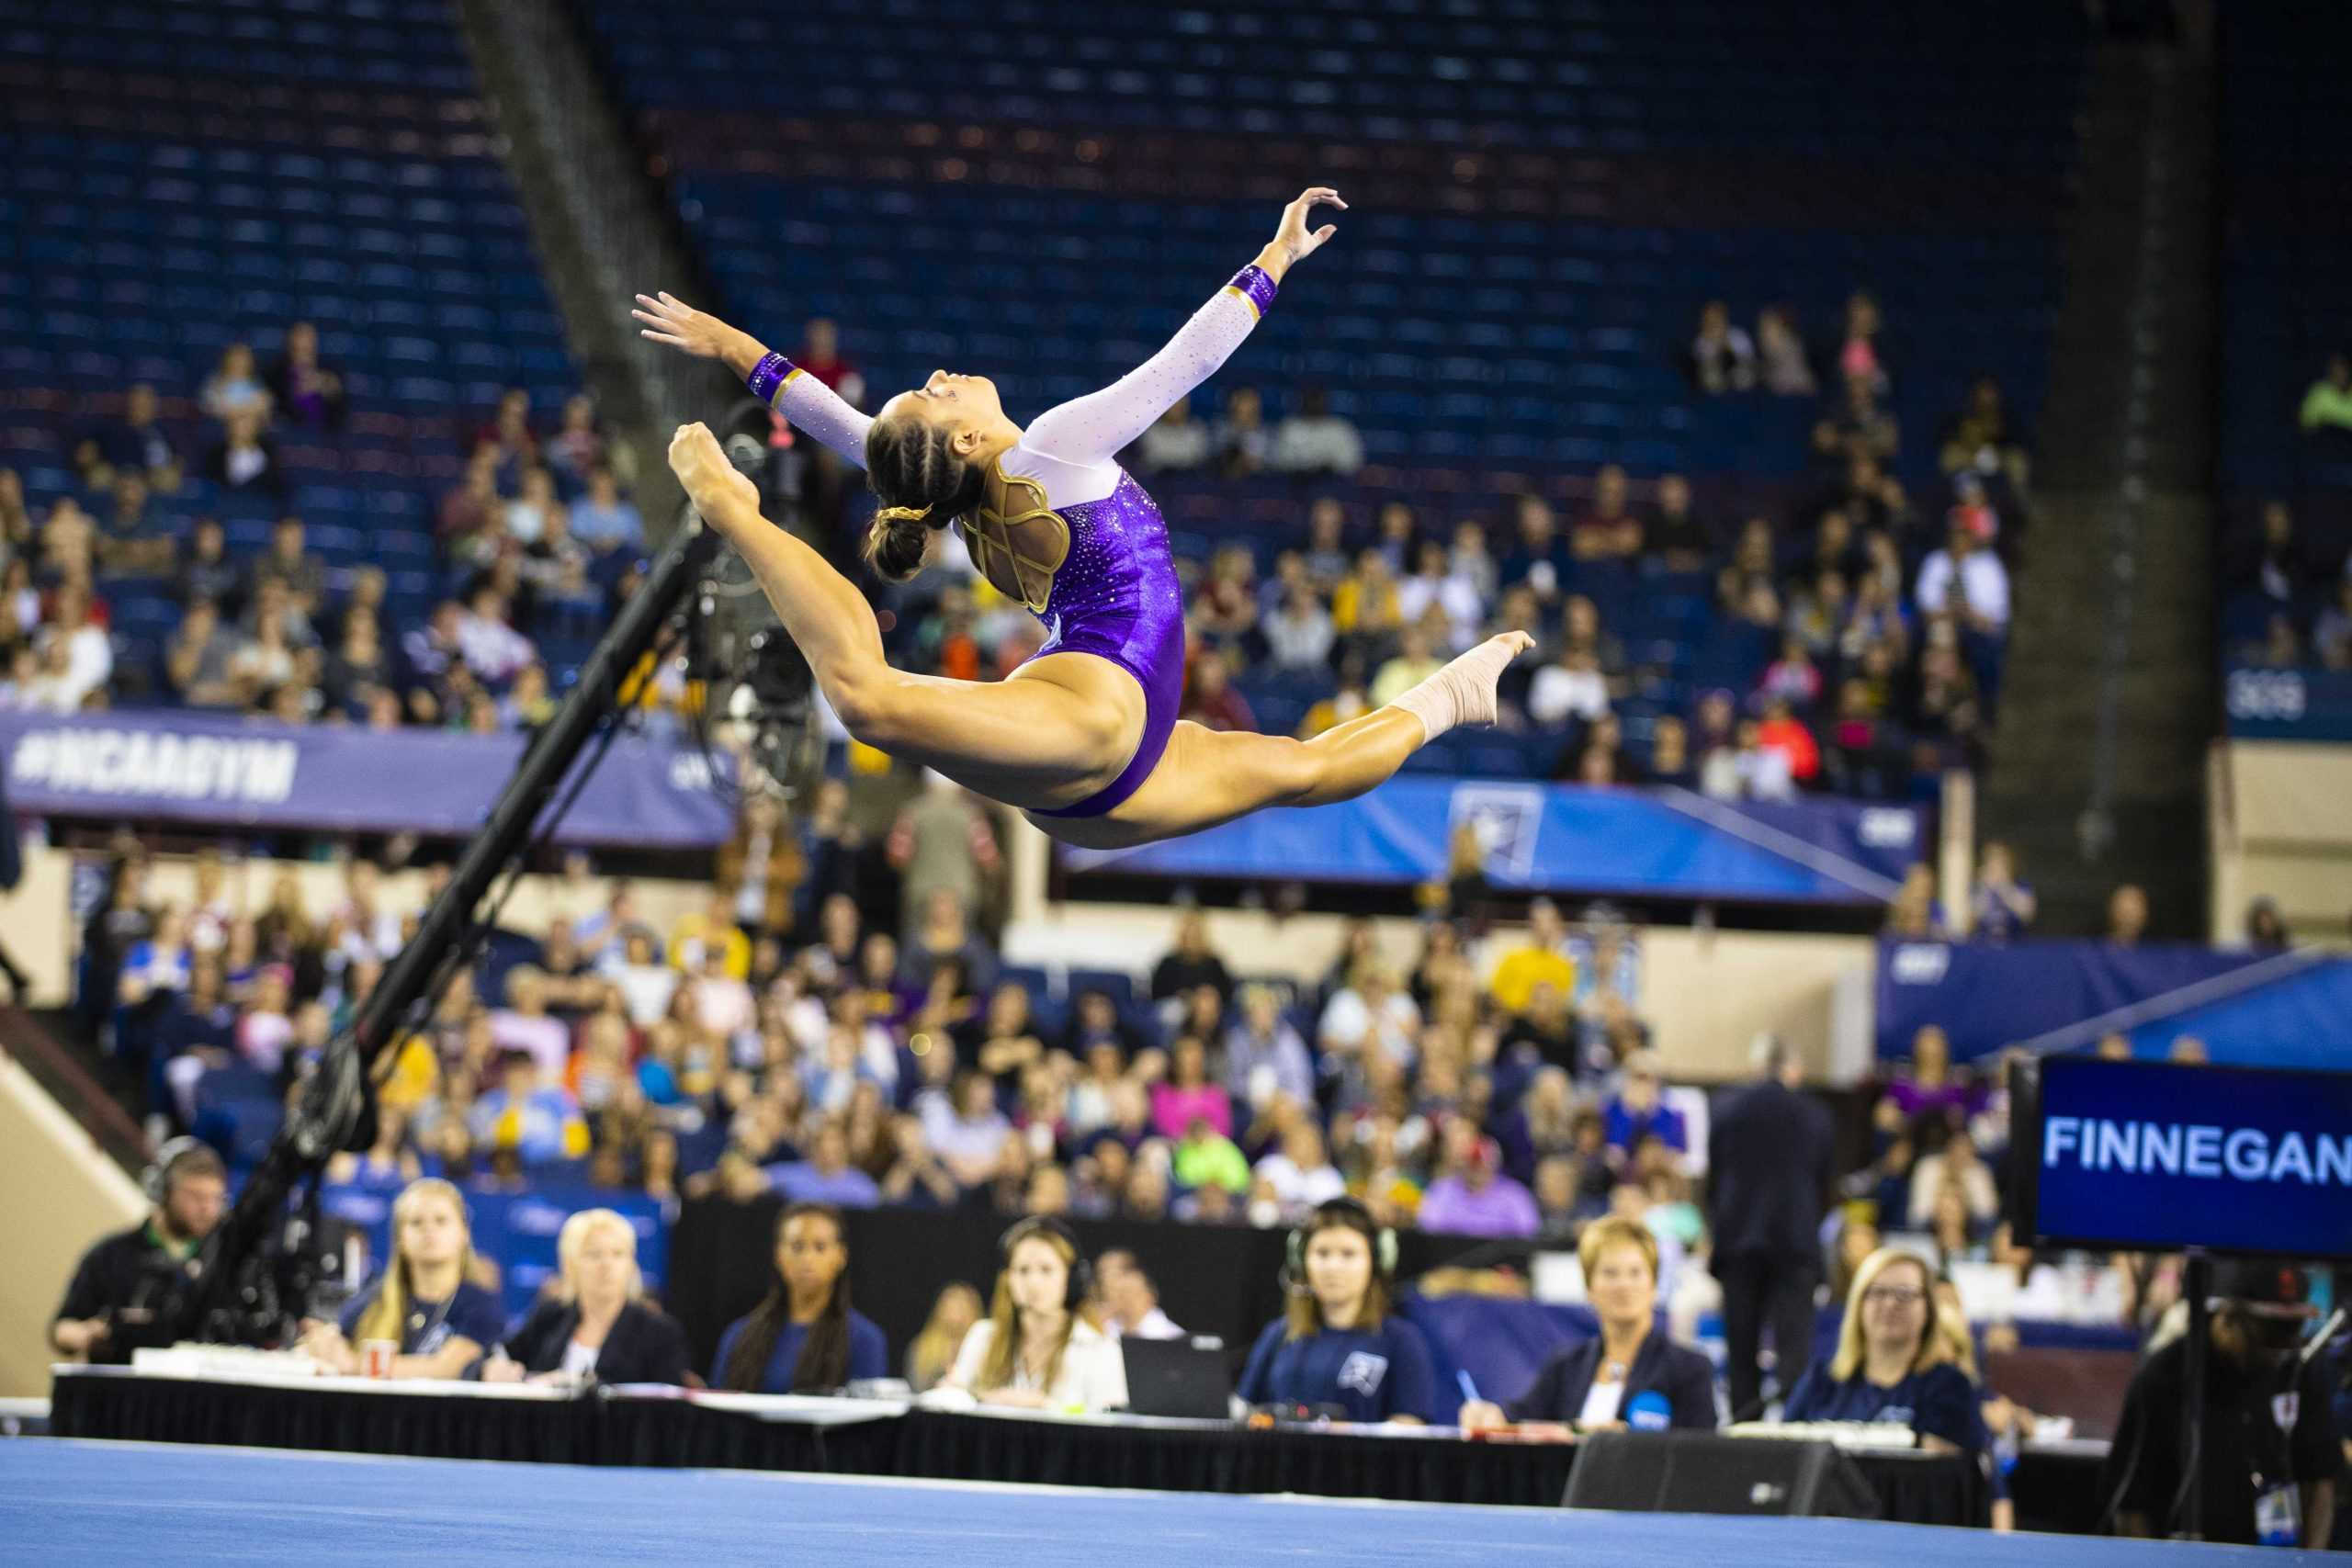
{"points": [[1207, 1156], [2329, 402]]}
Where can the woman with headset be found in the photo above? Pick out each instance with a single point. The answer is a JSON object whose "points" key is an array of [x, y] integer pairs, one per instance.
{"points": [[1037, 1349], [1340, 1347]]}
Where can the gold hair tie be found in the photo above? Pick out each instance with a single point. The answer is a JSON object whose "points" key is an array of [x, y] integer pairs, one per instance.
{"points": [[909, 513]]}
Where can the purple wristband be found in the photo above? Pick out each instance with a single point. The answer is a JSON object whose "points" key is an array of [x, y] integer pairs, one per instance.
{"points": [[1252, 284], [771, 372]]}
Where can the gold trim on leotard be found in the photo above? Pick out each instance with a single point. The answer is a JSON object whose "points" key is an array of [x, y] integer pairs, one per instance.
{"points": [[985, 544]]}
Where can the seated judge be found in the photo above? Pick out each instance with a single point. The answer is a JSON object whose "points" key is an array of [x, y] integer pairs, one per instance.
{"points": [[804, 1338], [596, 1324], [1628, 1376], [1040, 1347], [1889, 1366], [1339, 1348], [424, 1302]]}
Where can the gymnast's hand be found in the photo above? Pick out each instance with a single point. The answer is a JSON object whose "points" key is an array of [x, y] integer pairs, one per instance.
{"points": [[1293, 241], [711, 482], [672, 320]]}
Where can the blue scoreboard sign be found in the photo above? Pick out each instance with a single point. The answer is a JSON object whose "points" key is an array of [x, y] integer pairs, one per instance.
{"points": [[2156, 1156]]}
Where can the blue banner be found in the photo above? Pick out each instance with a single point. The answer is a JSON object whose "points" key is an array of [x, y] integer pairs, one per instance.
{"points": [[1559, 838], [193, 767], [1989, 998], [514, 1230], [2289, 705], [2148, 1154]]}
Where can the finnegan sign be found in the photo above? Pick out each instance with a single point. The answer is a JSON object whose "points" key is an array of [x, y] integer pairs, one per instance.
{"points": [[2156, 1155], [196, 767]]}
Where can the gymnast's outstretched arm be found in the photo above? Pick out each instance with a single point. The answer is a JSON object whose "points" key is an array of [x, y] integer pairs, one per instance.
{"points": [[784, 386], [1092, 428]]}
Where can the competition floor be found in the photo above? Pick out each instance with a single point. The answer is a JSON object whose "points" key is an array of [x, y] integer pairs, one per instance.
{"points": [[68, 1504]]}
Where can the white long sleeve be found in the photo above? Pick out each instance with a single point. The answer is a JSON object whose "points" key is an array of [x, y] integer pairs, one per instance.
{"points": [[818, 409]]}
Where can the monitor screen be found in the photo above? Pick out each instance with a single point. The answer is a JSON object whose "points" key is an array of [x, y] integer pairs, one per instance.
{"points": [[2160, 1156]]}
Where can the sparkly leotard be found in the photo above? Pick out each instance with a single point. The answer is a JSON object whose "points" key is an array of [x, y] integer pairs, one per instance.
{"points": [[1115, 593]]}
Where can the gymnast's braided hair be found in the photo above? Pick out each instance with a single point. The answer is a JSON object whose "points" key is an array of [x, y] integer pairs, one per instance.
{"points": [[923, 484]]}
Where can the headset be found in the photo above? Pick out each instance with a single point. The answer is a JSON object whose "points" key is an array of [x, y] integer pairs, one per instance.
{"points": [[1353, 1213], [1080, 1283], [156, 1179]]}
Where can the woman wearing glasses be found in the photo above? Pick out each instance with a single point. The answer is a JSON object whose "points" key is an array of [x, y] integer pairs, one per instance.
{"points": [[1889, 1367]]}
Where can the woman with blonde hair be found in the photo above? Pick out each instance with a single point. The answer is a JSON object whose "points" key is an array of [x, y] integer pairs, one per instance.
{"points": [[1627, 1376], [596, 1322], [424, 1302], [1892, 1364], [1038, 1349], [934, 1350]]}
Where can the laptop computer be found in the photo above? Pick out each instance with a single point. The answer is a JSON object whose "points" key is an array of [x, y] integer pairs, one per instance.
{"points": [[1178, 1377]]}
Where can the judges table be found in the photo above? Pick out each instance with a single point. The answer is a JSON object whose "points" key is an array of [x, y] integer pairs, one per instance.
{"points": [[665, 1426]]}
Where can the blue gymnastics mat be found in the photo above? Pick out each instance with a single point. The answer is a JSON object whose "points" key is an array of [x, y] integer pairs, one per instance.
{"points": [[67, 1504]]}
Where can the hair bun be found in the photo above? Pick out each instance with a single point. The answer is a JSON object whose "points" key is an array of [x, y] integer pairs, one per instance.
{"points": [[896, 546]]}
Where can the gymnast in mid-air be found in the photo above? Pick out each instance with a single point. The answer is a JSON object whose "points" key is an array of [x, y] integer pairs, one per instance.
{"points": [[1083, 736]]}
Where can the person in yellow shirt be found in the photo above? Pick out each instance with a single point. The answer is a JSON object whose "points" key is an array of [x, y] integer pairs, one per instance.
{"points": [[714, 923], [1365, 604], [2329, 402], [1541, 959]]}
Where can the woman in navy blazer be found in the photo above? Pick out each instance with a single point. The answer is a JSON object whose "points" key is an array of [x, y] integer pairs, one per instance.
{"points": [[1628, 1375]]}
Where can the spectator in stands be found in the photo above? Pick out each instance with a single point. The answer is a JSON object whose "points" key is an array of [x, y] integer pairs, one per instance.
{"points": [[1187, 1095], [1300, 1172], [1956, 1167], [1130, 1301], [826, 1175], [1264, 1055], [1607, 530], [604, 520], [134, 444], [1243, 443], [2276, 566], [527, 515], [1572, 688], [2328, 404], [1926, 1096], [577, 446], [1176, 442], [199, 660], [2270, 1452], [510, 436], [967, 1129], [2127, 914], [1969, 580], [234, 389], [917, 1178], [245, 461], [1298, 632], [492, 647], [1192, 962], [1781, 733], [2332, 631], [289, 564], [1210, 700], [1629, 1375], [1416, 662], [1637, 1111], [121, 1279], [1340, 1347], [804, 1336], [1371, 1015], [1435, 597], [1722, 357], [942, 840], [1862, 425], [2004, 906], [1364, 606], [1887, 1367], [1676, 539], [1474, 1197], [1314, 440], [77, 655], [424, 1301], [1037, 1349], [530, 1113], [1792, 680], [596, 1323], [303, 390], [1205, 1158], [1782, 365], [1543, 957], [2266, 928]]}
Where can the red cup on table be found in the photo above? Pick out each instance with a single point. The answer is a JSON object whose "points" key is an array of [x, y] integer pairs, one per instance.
{"points": [[376, 1357]]}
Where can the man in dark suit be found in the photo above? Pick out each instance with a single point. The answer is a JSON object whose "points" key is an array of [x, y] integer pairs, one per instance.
{"points": [[1769, 1161]]}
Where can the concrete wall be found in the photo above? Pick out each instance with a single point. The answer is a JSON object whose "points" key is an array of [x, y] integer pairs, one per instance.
{"points": [[2282, 828], [63, 1193]]}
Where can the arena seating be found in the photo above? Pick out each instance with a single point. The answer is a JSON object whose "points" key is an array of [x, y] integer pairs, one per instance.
{"points": [[176, 177]]}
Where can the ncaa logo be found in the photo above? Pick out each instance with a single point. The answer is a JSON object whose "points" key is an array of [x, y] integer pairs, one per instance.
{"points": [[1505, 817], [1884, 828], [1918, 964]]}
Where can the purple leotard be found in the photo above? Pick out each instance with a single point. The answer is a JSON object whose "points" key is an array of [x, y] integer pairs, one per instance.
{"points": [[1115, 594]]}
